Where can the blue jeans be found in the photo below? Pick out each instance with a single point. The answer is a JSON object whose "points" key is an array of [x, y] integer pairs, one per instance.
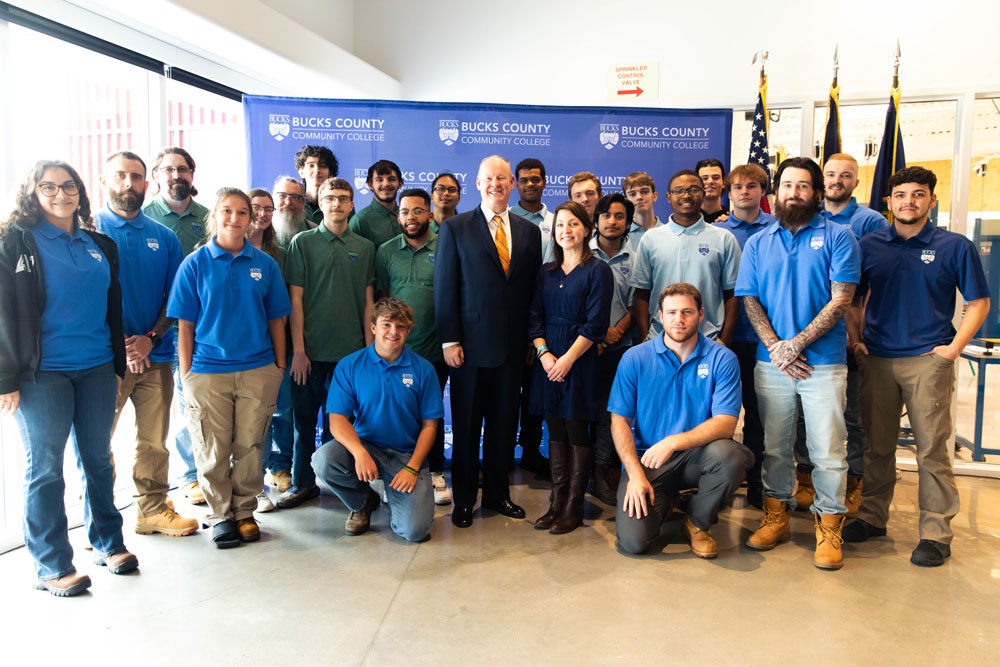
{"points": [[278, 448], [412, 513], [822, 396], [308, 404], [182, 441], [59, 404]]}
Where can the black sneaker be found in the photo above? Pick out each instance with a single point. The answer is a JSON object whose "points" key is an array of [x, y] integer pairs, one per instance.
{"points": [[295, 496], [930, 553], [860, 530]]}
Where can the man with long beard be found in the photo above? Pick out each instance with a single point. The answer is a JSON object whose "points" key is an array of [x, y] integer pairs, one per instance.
{"points": [[289, 210], [797, 279], [682, 392], [148, 255]]}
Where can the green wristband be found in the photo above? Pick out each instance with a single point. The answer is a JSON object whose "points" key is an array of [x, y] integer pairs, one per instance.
{"points": [[411, 470]]}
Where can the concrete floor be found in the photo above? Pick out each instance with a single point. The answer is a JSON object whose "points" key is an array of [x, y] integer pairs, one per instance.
{"points": [[503, 593]]}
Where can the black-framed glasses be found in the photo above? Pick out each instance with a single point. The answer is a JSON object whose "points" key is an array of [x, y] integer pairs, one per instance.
{"points": [[286, 195], [257, 208], [51, 189], [693, 190], [180, 171], [341, 199], [441, 189]]}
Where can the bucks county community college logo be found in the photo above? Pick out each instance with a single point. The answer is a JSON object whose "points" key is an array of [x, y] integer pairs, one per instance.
{"points": [[609, 135], [361, 181], [96, 254], [703, 248], [927, 256], [153, 244], [256, 274], [407, 379], [703, 370], [448, 132], [279, 125], [816, 242]]}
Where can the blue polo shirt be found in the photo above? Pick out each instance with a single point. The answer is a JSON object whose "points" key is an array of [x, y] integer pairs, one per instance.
{"points": [[859, 219], [388, 402], [544, 220], [148, 255], [75, 334], [703, 255], [621, 298], [664, 397], [913, 285], [743, 230], [230, 300], [791, 277]]}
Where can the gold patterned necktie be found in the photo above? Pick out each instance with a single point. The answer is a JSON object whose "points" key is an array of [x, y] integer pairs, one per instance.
{"points": [[501, 241]]}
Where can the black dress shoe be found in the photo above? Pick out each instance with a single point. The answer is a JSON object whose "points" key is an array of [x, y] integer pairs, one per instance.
{"points": [[860, 530], [505, 507], [295, 496], [461, 516], [930, 553]]}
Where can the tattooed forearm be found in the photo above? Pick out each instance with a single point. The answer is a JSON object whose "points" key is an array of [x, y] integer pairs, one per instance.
{"points": [[840, 300], [758, 319]]}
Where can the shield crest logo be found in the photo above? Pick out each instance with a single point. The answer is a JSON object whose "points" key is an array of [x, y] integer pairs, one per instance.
{"points": [[279, 125], [448, 131], [702, 248], [927, 256], [361, 181], [407, 379], [256, 274], [352, 257], [153, 244], [609, 135], [703, 370], [624, 269], [816, 242]]}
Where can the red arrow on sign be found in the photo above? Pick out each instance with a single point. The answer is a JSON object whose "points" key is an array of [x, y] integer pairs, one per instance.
{"points": [[637, 92]]}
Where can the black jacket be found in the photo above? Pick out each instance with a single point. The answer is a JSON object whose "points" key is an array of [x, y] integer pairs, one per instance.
{"points": [[22, 300]]}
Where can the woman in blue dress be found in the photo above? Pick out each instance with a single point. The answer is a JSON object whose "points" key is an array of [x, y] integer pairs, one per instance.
{"points": [[569, 316]]}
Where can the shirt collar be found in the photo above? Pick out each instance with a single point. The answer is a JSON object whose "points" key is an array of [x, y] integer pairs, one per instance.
{"points": [[817, 221], [375, 206], [489, 215], [925, 236], [846, 214], [762, 219], [116, 220], [623, 252], [699, 350], [401, 244], [50, 231], [216, 251], [371, 356], [694, 229], [330, 236]]}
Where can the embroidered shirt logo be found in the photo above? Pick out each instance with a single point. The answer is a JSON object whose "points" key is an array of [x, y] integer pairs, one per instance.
{"points": [[703, 370], [430, 258], [927, 256], [624, 268], [154, 244], [816, 242], [703, 248], [352, 257], [256, 274], [96, 254], [407, 379]]}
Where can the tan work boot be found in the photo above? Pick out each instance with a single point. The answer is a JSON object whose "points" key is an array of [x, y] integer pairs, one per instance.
{"points": [[828, 541], [249, 530], [192, 491], [852, 499], [774, 527], [167, 522], [805, 494], [358, 521], [702, 543], [65, 586]]}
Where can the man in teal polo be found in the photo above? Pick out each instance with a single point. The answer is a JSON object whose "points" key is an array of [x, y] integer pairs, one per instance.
{"points": [[377, 222]]}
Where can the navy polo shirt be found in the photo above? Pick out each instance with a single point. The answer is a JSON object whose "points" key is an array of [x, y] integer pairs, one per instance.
{"points": [[743, 230], [148, 255], [230, 300], [913, 283], [388, 402], [75, 333], [664, 397], [791, 276], [861, 220]]}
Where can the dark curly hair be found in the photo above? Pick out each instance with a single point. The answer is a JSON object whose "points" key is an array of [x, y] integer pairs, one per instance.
{"points": [[28, 211]]}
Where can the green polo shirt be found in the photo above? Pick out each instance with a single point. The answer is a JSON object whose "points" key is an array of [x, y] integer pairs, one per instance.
{"points": [[189, 227], [333, 272], [279, 257], [375, 223], [408, 274], [314, 213]]}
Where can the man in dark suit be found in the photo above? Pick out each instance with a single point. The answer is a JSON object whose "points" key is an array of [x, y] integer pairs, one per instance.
{"points": [[484, 281]]}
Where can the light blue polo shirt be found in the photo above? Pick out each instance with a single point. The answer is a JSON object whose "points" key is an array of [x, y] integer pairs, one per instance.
{"points": [[913, 285], [636, 232], [148, 257], [230, 300], [621, 299], [791, 277], [664, 397], [388, 402], [743, 230], [544, 220], [703, 255], [75, 334], [859, 219]]}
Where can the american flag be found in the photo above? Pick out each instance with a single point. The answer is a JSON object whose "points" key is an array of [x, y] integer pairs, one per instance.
{"points": [[758, 134]]}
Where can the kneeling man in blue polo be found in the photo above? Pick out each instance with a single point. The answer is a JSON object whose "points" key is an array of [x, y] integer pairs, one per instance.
{"points": [[393, 398], [682, 391]]}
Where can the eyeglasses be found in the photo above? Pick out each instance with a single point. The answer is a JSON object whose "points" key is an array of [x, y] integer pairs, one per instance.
{"points": [[257, 208], [441, 189], [340, 199], [403, 212], [282, 196], [180, 171], [693, 190], [51, 189]]}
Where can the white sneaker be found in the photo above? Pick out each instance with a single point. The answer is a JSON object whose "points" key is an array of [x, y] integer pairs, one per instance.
{"points": [[264, 503], [442, 494]]}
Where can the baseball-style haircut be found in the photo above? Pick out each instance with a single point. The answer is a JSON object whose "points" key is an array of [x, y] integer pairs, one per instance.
{"points": [[845, 157], [326, 158], [637, 179], [416, 192], [748, 173], [678, 174], [582, 177], [384, 168], [334, 184], [917, 175], [128, 155], [680, 289], [394, 310], [530, 163], [802, 163], [604, 206]]}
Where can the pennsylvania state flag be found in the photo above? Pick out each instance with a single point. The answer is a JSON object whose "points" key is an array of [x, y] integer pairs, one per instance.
{"points": [[831, 140], [890, 158]]}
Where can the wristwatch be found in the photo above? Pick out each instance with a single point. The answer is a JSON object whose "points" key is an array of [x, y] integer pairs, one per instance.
{"points": [[154, 338]]}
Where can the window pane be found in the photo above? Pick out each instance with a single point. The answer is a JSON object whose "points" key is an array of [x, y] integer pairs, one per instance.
{"points": [[984, 186], [783, 134]]}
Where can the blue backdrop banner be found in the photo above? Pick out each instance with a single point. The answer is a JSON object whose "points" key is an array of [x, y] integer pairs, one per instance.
{"points": [[426, 138]]}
